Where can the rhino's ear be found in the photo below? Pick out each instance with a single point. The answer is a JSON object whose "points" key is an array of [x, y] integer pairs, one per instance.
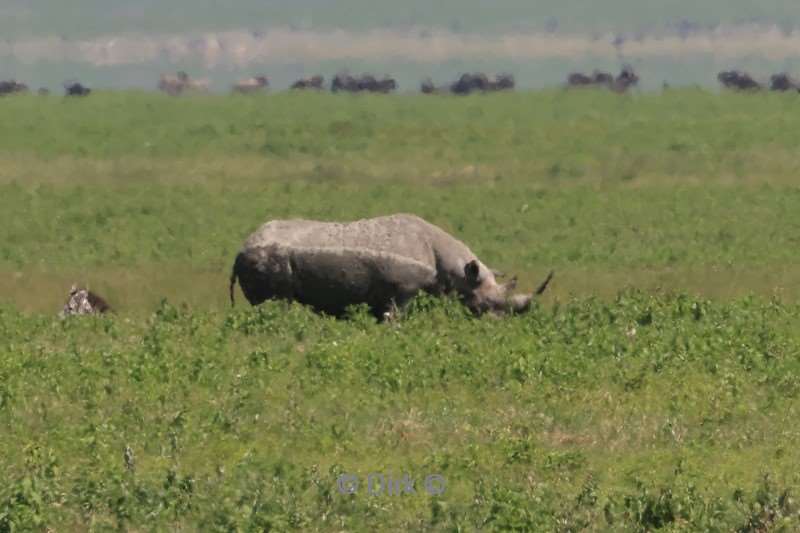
{"points": [[472, 271]]}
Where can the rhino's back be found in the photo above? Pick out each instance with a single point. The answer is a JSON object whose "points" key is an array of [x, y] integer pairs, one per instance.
{"points": [[401, 235]]}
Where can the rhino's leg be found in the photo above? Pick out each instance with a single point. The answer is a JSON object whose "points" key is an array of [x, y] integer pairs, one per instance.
{"points": [[402, 295], [386, 300], [393, 310]]}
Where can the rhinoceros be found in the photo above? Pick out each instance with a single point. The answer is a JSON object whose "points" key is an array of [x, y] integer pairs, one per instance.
{"points": [[382, 262]]}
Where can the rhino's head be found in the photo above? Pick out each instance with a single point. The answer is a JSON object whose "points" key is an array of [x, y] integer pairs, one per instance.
{"points": [[485, 294]]}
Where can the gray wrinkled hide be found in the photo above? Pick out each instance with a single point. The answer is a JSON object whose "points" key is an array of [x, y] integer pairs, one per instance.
{"points": [[380, 261]]}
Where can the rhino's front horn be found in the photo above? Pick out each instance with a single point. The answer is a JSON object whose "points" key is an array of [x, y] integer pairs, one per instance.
{"points": [[519, 303]]}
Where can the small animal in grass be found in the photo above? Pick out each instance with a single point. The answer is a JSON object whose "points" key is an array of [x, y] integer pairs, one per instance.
{"points": [[84, 302]]}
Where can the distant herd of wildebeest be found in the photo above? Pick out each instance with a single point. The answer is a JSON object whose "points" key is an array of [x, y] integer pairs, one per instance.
{"points": [[467, 83]]}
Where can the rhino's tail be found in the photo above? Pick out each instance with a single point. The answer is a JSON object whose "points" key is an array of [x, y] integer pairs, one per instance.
{"points": [[544, 284], [234, 275]]}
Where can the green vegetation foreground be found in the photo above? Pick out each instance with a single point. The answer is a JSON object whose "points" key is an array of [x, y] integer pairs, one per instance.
{"points": [[630, 415], [631, 411]]}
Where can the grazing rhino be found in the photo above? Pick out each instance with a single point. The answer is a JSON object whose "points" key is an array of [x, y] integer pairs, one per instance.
{"points": [[84, 302], [382, 262]]}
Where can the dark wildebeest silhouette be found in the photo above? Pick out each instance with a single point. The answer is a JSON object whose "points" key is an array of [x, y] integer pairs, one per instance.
{"points": [[625, 79], [84, 302], [427, 86], [603, 79], [579, 79], [737, 80], [597, 78], [12, 87], [364, 83], [371, 84], [783, 82], [314, 82], [344, 82], [74, 88], [367, 82], [502, 82], [470, 82]]}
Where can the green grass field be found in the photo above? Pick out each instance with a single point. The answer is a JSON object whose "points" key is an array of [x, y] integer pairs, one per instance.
{"points": [[655, 386]]}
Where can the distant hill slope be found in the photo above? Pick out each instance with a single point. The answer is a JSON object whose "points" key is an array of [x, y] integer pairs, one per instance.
{"points": [[84, 18]]}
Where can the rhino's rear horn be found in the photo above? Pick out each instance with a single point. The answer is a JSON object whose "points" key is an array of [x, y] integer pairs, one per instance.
{"points": [[544, 284]]}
